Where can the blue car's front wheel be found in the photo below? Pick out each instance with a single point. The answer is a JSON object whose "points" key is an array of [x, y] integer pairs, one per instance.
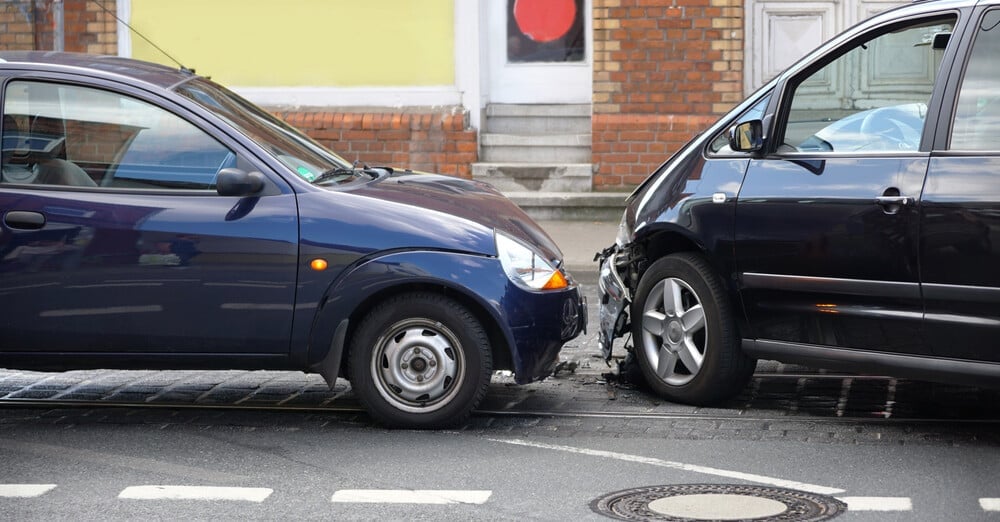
{"points": [[420, 360]]}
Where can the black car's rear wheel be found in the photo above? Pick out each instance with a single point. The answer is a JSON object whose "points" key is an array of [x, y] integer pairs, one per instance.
{"points": [[685, 338], [420, 360]]}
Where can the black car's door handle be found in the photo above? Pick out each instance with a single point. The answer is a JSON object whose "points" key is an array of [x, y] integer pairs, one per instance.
{"points": [[24, 220], [894, 200]]}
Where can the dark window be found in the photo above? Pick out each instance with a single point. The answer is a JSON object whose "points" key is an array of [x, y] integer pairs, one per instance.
{"points": [[977, 118], [545, 31]]}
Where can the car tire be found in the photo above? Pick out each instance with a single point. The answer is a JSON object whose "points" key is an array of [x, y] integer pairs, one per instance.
{"points": [[420, 361], [686, 340]]}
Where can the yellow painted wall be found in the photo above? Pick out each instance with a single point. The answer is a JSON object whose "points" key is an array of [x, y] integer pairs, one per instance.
{"points": [[316, 43]]}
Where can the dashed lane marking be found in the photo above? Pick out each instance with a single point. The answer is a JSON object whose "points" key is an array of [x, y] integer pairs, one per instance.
{"points": [[990, 504], [411, 496], [25, 490], [749, 477], [195, 493], [877, 503]]}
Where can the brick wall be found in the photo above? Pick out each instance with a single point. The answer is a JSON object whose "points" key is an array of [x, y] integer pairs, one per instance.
{"points": [[433, 141], [27, 25], [89, 28], [17, 31], [663, 70]]}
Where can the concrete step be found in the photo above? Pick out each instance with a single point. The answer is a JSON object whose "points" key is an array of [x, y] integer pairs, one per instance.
{"points": [[534, 177], [550, 148], [538, 119], [571, 206]]}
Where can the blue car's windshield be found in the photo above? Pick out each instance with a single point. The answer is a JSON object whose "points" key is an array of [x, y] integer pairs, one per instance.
{"points": [[297, 151]]}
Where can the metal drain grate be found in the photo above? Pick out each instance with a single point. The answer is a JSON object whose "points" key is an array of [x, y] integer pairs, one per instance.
{"points": [[688, 502]]}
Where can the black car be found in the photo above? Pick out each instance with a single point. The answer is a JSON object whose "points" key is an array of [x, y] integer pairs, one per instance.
{"points": [[150, 218], [845, 216]]}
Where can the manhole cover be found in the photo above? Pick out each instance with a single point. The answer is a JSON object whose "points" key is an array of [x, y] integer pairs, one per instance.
{"points": [[717, 502]]}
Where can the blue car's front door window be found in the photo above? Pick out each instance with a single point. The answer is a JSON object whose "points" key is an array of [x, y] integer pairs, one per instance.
{"points": [[79, 136]]}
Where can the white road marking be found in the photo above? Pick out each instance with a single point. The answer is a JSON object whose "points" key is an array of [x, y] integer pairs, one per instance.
{"points": [[750, 477], [25, 490], [877, 503], [411, 496], [195, 493], [990, 504]]}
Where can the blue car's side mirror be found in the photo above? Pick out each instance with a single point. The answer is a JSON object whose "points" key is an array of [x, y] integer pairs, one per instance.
{"points": [[236, 182]]}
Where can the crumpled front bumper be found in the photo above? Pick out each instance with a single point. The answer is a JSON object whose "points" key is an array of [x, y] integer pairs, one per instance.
{"points": [[613, 296]]}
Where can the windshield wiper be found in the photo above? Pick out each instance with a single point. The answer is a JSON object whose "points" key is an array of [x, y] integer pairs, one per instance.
{"points": [[338, 173]]}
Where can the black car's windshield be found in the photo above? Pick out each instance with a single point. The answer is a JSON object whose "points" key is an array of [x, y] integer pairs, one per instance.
{"points": [[298, 152]]}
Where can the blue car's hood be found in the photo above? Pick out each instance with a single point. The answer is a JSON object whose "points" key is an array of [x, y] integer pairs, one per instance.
{"points": [[447, 212]]}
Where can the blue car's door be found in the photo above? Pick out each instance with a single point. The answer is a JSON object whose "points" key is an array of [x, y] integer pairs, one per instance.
{"points": [[113, 238]]}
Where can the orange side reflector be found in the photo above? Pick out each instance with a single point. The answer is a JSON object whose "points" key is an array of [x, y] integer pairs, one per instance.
{"points": [[556, 282], [318, 265]]}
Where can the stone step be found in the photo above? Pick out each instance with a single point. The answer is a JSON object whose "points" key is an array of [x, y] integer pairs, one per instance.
{"points": [[533, 177], [550, 148], [571, 206], [538, 119], [562, 110]]}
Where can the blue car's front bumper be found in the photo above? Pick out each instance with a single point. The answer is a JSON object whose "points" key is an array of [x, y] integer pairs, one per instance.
{"points": [[541, 323]]}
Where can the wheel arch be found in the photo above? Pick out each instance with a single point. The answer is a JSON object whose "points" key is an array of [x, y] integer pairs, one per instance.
{"points": [[356, 293]]}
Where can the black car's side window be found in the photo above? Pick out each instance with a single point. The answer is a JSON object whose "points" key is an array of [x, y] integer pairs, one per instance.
{"points": [[55, 134], [873, 97], [977, 117]]}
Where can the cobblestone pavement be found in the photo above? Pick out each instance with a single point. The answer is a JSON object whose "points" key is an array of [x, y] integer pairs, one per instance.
{"points": [[586, 396]]}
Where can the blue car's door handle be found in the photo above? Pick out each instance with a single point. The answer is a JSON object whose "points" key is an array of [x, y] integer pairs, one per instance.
{"points": [[24, 220]]}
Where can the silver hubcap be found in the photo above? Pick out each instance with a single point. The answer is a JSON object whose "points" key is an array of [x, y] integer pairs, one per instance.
{"points": [[674, 335], [417, 366]]}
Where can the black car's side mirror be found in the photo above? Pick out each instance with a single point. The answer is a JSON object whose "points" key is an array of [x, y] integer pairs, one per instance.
{"points": [[236, 182], [747, 136]]}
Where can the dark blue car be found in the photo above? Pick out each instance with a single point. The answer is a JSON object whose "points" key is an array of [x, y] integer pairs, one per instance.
{"points": [[153, 219]]}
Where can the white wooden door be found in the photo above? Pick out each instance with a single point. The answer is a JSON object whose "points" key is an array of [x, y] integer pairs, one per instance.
{"points": [[779, 32], [530, 57]]}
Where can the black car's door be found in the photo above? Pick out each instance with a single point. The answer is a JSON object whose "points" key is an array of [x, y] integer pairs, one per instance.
{"points": [[960, 211], [827, 221], [113, 238]]}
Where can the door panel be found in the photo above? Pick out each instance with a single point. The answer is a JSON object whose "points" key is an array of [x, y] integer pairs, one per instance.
{"points": [[821, 262], [960, 256], [147, 273]]}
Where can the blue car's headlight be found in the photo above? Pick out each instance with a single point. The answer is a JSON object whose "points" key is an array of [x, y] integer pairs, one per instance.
{"points": [[525, 267]]}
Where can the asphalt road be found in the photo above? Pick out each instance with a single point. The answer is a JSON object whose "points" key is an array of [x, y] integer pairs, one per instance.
{"points": [[278, 445]]}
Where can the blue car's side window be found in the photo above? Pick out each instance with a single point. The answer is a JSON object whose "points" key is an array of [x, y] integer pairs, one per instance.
{"points": [[56, 134]]}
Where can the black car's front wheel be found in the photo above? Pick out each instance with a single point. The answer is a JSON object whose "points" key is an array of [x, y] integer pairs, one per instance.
{"points": [[685, 337], [420, 360]]}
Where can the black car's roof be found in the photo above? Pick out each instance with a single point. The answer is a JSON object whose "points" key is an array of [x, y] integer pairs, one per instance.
{"points": [[155, 74]]}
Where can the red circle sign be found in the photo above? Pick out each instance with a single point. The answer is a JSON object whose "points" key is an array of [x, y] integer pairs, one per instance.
{"points": [[544, 20]]}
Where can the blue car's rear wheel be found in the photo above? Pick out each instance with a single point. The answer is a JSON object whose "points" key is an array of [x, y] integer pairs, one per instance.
{"points": [[420, 360]]}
